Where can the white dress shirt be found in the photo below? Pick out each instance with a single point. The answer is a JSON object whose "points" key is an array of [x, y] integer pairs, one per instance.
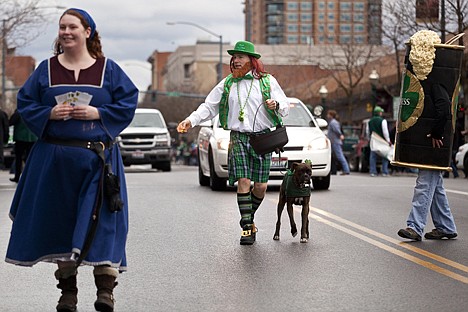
{"points": [[210, 108]]}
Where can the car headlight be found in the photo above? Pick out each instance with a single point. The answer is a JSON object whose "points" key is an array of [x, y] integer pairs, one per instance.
{"points": [[317, 144], [223, 144]]}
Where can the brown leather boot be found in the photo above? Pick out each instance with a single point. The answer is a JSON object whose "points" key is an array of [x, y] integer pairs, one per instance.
{"points": [[69, 299], [105, 284]]}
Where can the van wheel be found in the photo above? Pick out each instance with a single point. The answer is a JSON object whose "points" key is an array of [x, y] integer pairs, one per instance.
{"points": [[216, 183]]}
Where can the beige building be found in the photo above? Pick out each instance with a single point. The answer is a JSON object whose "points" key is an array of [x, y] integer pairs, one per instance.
{"points": [[313, 22]]}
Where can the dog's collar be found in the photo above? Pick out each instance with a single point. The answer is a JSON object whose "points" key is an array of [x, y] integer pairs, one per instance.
{"points": [[292, 190]]}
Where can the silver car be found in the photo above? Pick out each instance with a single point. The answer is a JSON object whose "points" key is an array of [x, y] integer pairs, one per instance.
{"points": [[306, 141]]}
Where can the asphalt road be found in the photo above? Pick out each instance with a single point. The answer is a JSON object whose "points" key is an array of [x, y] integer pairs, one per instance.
{"points": [[184, 253]]}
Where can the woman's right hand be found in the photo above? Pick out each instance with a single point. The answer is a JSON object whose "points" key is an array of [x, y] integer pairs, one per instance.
{"points": [[184, 126], [61, 111]]}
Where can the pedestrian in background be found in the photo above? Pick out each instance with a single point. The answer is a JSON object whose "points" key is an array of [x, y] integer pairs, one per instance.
{"points": [[336, 137], [24, 140], [77, 102], [379, 125], [247, 92], [4, 136]]}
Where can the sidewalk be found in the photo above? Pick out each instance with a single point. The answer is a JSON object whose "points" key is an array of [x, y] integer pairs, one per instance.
{"points": [[5, 182]]}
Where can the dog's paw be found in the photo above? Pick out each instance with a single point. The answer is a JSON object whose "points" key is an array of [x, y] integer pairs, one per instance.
{"points": [[304, 240], [276, 237]]}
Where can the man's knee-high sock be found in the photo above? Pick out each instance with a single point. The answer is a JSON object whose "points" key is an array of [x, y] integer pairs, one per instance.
{"points": [[244, 201], [255, 204]]}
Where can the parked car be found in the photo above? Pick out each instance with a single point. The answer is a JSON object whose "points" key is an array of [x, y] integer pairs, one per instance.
{"points": [[351, 139], [146, 140], [461, 158], [306, 141]]}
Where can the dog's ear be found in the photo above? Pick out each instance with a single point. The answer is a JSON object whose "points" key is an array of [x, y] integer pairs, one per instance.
{"points": [[294, 165]]}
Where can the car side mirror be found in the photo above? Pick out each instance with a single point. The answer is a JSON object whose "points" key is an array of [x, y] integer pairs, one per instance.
{"points": [[322, 123]]}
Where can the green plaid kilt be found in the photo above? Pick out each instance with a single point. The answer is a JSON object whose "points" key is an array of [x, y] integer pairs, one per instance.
{"points": [[243, 162]]}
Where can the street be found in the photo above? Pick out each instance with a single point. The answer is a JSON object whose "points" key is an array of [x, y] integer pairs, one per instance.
{"points": [[183, 252]]}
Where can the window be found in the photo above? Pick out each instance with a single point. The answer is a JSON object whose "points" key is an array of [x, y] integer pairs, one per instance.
{"points": [[358, 28], [359, 6], [306, 28], [359, 39], [344, 39], [321, 16], [331, 39], [321, 28], [345, 6], [331, 16], [306, 6], [307, 17], [358, 17], [292, 28], [292, 6], [331, 5], [292, 17], [331, 28], [187, 71], [345, 28], [345, 17], [293, 39], [321, 5], [307, 40]]}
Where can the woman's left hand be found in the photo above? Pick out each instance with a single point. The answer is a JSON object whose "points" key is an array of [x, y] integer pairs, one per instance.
{"points": [[85, 112], [271, 104]]}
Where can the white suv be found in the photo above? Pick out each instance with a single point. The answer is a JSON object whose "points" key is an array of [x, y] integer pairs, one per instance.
{"points": [[306, 141], [146, 140]]}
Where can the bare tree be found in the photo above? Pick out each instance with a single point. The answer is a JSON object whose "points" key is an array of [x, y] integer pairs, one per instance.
{"points": [[400, 24], [349, 69]]}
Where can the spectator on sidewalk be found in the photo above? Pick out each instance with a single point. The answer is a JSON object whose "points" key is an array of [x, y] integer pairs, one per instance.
{"points": [[4, 136], [24, 140], [336, 137]]}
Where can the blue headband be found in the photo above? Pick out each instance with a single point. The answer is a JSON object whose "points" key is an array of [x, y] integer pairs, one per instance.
{"points": [[88, 19]]}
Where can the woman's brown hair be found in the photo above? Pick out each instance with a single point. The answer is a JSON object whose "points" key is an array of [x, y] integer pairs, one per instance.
{"points": [[93, 44]]}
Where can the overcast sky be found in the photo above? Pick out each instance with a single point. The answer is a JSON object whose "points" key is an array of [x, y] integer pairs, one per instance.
{"points": [[133, 29]]}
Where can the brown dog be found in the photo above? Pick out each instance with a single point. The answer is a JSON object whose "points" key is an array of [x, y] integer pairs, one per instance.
{"points": [[295, 189]]}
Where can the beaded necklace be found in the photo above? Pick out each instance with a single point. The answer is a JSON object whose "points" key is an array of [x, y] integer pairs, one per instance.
{"points": [[241, 110]]}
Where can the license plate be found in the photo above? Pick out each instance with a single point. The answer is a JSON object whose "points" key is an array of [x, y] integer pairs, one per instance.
{"points": [[138, 155], [277, 162]]}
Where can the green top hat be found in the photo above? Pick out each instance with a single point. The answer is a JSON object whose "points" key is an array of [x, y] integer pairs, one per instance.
{"points": [[244, 47]]}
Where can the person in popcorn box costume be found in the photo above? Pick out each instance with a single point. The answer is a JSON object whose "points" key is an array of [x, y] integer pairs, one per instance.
{"points": [[76, 103], [424, 131]]}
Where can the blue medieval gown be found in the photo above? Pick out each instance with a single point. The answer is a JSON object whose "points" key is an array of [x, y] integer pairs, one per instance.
{"points": [[54, 200]]}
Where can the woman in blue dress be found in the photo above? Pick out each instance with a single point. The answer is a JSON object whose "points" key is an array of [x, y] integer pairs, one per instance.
{"points": [[74, 102]]}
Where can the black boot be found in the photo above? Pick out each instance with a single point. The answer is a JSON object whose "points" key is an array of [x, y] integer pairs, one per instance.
{"points": [[69, 299], [105, 284], [248, 234]]}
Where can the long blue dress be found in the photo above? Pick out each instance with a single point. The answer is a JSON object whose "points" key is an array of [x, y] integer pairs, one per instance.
{"points": [[54, 200]]}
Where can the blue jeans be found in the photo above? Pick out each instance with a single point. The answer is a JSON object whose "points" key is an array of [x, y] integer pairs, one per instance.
{"points": [[429, 194], [373, 163], [338, 151]]}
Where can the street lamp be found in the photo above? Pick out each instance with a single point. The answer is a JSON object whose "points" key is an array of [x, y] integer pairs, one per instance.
{"points": [[374, 78], [220, 65], [318, 110]]}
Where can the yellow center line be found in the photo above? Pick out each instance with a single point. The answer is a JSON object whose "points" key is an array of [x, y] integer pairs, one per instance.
{"points": [[392, 250], [417, 250]]}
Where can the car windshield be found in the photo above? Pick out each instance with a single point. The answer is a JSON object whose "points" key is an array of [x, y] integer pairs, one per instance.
{"points": [[298, 116], [147, 121]]}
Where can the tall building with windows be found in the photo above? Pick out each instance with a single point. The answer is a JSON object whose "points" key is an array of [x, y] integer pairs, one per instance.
{"points": [[313, 22]]}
